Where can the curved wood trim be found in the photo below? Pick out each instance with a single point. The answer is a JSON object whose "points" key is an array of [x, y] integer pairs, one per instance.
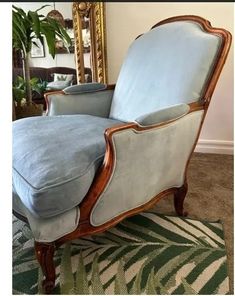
{"points": [[111, 86], [57, 92], [103, 176], [205, 23], [85, 228], [44, 253]]}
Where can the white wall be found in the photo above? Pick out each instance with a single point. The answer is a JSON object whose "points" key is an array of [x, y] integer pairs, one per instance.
{"points": [[125, 21], [60, 60]]}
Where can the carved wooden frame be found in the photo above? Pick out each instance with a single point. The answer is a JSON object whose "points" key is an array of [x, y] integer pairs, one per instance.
{"points": [[96, 11], [45, 251]]}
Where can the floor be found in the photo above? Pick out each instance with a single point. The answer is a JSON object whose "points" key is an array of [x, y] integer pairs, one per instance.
{"points": [[210, 196]]}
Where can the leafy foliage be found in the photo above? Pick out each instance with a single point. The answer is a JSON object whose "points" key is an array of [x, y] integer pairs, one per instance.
{"points": [[30, 26], [19, 87], [135, 259]]}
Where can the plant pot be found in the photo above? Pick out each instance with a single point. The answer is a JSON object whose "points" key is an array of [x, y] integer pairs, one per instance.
{"points": [[28, 110]]}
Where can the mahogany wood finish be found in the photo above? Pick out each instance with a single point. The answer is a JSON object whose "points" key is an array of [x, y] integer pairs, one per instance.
{"points": [[45, 251], [56, 92], [44, 254], [179, 197]]}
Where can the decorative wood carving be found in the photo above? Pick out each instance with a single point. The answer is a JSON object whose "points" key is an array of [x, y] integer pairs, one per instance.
{"points": [[44, 254], [96, 13]]}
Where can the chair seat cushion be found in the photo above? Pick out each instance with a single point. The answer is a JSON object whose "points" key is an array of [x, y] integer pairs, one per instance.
{"points": [[47, 230], [55, 159]]}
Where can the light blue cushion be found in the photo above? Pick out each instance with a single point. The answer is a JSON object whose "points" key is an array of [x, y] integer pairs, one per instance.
{"points": [[84, 88], [92, 103], [55, 159], [58, 85], [49, 229], [163, 115], [168, 65]]}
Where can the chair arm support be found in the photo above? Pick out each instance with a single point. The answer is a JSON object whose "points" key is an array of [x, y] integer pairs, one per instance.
{"points": [[87, 87], [97, 103], [84, 88], [163, 115], [142, 162]]}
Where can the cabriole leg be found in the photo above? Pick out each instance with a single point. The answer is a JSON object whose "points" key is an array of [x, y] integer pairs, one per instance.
{"points": [[44, 253], [179, 197]]}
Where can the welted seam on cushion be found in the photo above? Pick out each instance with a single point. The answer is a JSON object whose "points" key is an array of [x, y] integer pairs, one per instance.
{"points": [[60, 183], [84, 91], [77, 219]]}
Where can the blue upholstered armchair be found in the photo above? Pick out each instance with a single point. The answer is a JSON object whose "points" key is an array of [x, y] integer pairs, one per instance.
{"points": [[103, 153]]}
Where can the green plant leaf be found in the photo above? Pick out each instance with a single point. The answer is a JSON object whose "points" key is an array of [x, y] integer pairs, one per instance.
{"points": [[50, 37], [136, 288], [19, 32], [42, 7], [96, 284], [34, 80], [120, 287], [60, 31], [19, 10], [18, 94], [40, 278], [187, 288], [66, 275], [150, 286], [32, 25], [35, 22], [18, 24], [81, 278]]}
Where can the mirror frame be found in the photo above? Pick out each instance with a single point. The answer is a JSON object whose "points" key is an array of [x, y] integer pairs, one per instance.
{"points": [[96, 12]]}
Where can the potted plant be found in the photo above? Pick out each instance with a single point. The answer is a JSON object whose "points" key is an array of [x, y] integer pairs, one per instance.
{"points": [[26, 28], [19, 96]]}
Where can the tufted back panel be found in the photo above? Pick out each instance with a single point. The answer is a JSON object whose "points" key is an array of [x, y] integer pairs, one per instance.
{"points": [[168, 65]]}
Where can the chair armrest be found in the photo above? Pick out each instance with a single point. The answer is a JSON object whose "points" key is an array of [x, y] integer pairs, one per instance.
{"points": [[139, 158], [90, 99], [163, 115], [84, 88]]}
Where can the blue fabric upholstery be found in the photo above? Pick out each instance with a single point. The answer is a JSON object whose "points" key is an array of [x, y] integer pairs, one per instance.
{"points": [[58, 85], [163, 115], [55, 159], [168, 65], [92, 103], [48, 229], [84, 88]]}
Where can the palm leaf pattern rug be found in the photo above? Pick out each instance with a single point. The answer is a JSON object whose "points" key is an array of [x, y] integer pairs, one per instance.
{"points": [[145, 254]]}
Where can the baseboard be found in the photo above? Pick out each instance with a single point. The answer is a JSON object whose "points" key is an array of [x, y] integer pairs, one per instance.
{"points": [[214, 146]]}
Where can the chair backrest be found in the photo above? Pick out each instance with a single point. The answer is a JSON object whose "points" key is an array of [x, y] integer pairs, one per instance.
{"points": [[172, 63]]}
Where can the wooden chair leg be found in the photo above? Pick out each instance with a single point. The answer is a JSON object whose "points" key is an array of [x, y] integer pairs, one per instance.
{"points": [[44, 253], [179, 197]]}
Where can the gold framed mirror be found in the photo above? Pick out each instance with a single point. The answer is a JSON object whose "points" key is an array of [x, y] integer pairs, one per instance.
{"points": [[89, 41]]}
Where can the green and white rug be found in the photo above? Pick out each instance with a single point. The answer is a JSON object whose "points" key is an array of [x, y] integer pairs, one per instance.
{"points": [[145, 254]]}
